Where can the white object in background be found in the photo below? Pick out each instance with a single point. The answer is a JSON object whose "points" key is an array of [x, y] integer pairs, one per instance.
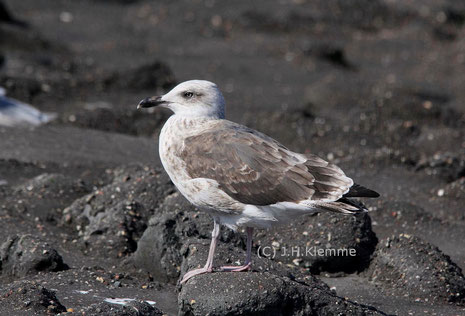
{"points": [[124, 301], [17, 113]]}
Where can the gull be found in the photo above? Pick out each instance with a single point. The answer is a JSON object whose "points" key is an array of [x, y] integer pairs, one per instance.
{"points": [[17, 113], [240, 176]]}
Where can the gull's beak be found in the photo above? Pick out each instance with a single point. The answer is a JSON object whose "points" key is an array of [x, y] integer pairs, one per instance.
{"points": [[151, 102]]}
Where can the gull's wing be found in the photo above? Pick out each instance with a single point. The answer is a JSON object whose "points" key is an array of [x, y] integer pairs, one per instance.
{"points": [[255, 169]]}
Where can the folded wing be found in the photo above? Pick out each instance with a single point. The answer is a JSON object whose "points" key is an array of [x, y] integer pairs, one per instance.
{"points": [[255, 169]]}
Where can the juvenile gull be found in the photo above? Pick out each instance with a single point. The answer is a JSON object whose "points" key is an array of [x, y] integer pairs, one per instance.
{"points": [[242, 177]]}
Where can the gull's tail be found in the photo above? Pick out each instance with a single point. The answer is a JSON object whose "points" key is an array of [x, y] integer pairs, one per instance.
{"points": [[348, 206]]}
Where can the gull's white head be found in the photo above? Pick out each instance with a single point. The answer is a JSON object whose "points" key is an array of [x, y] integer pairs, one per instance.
{"points": [[193, 98]]}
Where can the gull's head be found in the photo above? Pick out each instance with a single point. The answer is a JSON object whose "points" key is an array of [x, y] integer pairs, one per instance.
{"points": [[193, 98]]}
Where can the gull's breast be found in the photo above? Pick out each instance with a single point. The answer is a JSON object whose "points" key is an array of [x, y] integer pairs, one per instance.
{"points": [[170, 145], [203, 193]]}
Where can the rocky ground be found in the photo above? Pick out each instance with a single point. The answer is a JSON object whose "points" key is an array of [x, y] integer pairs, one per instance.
{"points": [[92, 225]]}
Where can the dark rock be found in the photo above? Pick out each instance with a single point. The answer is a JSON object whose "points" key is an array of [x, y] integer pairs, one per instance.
{"points": [[445, 33], [455, 16], [131, 308], [45, 195], [150, 76], [118, 1], [452, 17], [9, 168], [360, 15], [133, 122], [194, 253], [146, 77], [261, 21], [52, 182], [421, 106], [174, 222], [111, 220], [6, 17], [307, 111], [24, 255], [273, 290], [22, 88], [322, 242], [332, 54], [30, 297], [97, 149], [446, 165], [396, 217], [456, 189], [117, 228], [417, 268], [366, 15], [158, 249]]}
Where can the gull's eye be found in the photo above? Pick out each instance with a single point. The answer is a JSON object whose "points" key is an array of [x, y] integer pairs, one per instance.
{"points": [[188, 94]]}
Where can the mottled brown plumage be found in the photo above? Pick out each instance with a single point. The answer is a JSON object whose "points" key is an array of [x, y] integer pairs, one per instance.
{"points": [[255, 169]]}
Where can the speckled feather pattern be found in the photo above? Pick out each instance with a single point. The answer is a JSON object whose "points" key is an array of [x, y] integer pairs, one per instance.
{"points": [[243, 177]]}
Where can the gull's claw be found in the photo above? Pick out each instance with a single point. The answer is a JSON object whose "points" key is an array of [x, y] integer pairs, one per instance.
{"points": [[195, 272], [203, 270], [244, 267]]}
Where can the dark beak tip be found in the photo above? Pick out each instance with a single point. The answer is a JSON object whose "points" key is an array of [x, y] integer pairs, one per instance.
{"points": [[140, 105], [149, 102]]}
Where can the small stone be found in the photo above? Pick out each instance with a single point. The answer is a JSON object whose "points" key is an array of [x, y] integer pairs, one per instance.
{"points": [[297, 261], [66, 17], [427, 105]]}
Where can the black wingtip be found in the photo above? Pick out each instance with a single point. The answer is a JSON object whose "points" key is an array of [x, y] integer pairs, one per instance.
{"points": [[374, 194], [360, 191]]}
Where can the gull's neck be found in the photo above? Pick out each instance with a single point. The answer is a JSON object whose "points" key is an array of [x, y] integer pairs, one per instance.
{"points": [[187, 124], [199, 117], [202, 111]]}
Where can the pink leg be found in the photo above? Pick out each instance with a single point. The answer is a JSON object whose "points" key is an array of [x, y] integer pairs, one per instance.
{"points": [[209, 265], [248, 259]]}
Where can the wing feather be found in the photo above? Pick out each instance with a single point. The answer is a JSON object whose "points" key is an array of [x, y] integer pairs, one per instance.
{"points": [[255, 169]]}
